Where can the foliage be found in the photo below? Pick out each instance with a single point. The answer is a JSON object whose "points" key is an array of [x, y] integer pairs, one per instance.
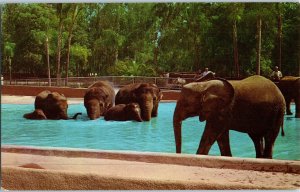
{"points": [[132, 68], [148, 38]]}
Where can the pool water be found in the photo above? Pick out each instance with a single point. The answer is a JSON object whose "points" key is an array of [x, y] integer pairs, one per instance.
{"points": [[154, 136]]}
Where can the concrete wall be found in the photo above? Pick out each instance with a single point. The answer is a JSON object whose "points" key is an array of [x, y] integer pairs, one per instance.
{"points": [[68, 92]]}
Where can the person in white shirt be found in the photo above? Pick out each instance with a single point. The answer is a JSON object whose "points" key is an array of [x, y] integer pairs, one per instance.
{"points": [[206, 71], [276, 75]]}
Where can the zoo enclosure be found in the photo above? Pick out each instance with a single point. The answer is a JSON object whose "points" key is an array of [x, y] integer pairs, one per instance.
{"points": [[118, 81]]}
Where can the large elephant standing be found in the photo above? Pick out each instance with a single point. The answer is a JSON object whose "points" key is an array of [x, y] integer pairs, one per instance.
{"points": [[290, 88], [98, 98], [253, 105], [50, 105], [147, 95]]}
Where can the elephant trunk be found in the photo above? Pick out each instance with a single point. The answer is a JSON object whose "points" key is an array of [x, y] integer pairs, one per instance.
{"points": [[64, 116], [146, 110], [177, 124], [137, 117]]}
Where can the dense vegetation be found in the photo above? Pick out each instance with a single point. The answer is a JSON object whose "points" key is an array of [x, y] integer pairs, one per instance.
{"points": [[232, 39]]}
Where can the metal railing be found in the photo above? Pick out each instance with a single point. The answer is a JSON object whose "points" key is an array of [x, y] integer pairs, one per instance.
{"points": [[117, 81]]}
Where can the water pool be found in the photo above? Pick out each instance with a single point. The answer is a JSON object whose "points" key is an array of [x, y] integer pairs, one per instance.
{"points": [[155, 136]]}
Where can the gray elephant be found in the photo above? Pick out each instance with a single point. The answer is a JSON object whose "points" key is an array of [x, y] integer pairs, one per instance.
{"points": [[124, 112], [98, 98], [50, 105], [254, 106], [290, 88], [147, 95]]}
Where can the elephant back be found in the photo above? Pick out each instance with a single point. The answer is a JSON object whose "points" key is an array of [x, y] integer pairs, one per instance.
{"points": [[100, 90], [257, 89], [53, 104], [125, 94], [40, 99], [131, 93], [289, 85]]}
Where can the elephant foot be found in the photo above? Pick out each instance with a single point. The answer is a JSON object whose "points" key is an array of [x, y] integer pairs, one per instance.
{"points": [[289, 113]]}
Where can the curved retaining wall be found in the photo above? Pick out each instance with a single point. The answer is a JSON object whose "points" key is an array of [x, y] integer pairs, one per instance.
{"points": [[271, 165], [68, 92], [40, 168]]}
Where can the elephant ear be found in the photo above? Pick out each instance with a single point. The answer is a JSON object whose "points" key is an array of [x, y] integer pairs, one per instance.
{"points": [[217, 101]]}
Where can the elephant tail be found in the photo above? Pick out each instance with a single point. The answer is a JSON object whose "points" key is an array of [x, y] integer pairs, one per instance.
{"points": [[75, 116], [282, 130]]}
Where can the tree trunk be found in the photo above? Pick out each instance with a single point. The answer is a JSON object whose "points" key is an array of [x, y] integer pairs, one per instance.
{"points": [[75, 13], [235, 51], [279, 36], [155, 55], [197, 49], [9, 64], [59, 42], [48, 61], [68, 58], [258, 45]]}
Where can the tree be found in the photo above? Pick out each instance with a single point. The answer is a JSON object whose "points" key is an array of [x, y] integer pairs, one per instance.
{"points": [[161, 37], [79, 59], [9, 49], [258, 44], [236, 11], [75, 11], [26, 25]]}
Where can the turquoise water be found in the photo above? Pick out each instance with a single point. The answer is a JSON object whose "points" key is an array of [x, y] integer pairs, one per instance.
{"points": [[155, 136]]}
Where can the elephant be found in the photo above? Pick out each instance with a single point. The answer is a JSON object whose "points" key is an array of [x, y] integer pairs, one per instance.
{"points": [[290, 88], [147, 95], [36, 114], [253, 105], [98, 98], [207, 76], [124, 112], [50, 105]]}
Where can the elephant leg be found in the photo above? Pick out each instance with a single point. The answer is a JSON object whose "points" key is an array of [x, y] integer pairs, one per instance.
{"points": [[224, 144], [297, 103], [288, 106], [259, 145], [210, 135], [271, 136]]}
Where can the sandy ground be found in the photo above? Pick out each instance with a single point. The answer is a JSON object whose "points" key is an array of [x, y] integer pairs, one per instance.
{"points": [[39, 172], [25, 171], [9, 99]]}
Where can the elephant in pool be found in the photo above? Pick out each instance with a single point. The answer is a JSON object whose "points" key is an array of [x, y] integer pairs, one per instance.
{"points": [[147, 95], [254, 106], [98, 98], [124, 112], [50, 105], [290, 88], [37, 114]]}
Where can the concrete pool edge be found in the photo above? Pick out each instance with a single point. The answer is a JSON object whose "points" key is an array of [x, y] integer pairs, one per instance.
{"points": [[16, 178], [267, 165]]}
